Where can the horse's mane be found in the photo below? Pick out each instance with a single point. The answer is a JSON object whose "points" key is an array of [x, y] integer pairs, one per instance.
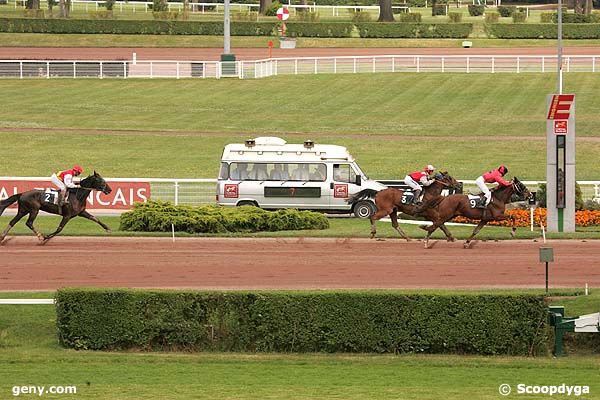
{"points": [[86, 185]]}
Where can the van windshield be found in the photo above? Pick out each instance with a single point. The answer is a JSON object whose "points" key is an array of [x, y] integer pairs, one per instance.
{"points": [[360, 171]]}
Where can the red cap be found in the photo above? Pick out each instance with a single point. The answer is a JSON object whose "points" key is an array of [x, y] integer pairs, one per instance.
{"points": [[77, 168]]}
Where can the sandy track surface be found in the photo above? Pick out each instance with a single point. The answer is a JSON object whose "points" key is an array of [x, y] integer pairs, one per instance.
{"points": [[302, 263]]}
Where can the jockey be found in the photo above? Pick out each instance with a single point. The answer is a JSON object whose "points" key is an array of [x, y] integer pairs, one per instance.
{"points": [[64, 180], [493, 176], [418, 178]]}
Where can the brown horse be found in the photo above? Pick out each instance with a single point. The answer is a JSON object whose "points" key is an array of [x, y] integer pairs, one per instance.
{"points": [[32, 202], [460, 205], [389, 201]]}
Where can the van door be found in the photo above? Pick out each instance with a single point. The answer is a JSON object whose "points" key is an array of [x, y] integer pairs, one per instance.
{"points": [[345, 183], [306, 187]]}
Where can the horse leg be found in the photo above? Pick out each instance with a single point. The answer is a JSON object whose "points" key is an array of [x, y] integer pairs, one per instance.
{"points": [[376, 217], [91, 217], [62, 224], [396, 225], [32, 216], [449, 236], [480, 225], [513, 230], [13, 222]]}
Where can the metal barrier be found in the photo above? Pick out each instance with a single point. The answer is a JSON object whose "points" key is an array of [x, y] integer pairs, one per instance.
{"points": [[252, 69]]}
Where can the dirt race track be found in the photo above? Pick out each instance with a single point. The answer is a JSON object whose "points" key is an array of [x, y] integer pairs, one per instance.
{"points": [[294, 263]]}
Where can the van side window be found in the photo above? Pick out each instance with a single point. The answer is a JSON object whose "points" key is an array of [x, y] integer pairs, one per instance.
{"points": [[224, 171], [343, 173], [300, 172], [318, 172], [279, 173], [258, 172], [238, 171]]}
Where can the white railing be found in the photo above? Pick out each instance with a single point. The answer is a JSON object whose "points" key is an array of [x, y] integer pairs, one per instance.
{"points": [[203, 191], [251, 69]]}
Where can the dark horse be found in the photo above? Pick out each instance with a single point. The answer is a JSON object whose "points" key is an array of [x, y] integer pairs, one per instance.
{"points": [[389, 202], [32, 202], [459, 204]]}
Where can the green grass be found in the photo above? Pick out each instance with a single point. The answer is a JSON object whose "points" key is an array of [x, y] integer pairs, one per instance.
{"points": [[169, 128], [30, 355], [339, 227]]}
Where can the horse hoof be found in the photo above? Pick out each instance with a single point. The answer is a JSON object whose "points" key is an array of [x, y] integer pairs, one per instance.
{"points": [[467, 245], [424, 227], [108, 231], [451, 239]]}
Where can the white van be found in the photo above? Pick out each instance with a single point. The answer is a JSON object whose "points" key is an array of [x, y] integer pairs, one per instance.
{"points": [[269, 173]]}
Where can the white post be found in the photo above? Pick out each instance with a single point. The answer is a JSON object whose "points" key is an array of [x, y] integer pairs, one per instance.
{"points": [[543, 64], [373, 64], [518, 64], [443, 62], [335, 65], [568, 64], [354, 64], [296, 67], [74, 70], [134, 58], [493, 64], [124, 69], [20, 62], [594, 64], [393, 64], [315, 65], [151, 69], [276, 67], [468, 64], [176, 192], [531, 210], [177, 69], [48, 70], [418, 64], [101, 70]]}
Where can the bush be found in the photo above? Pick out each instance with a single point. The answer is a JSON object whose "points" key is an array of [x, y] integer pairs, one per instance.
{"points": [[272, 10], [245, 16], [158, 217], [491, 17], [519, 17], [307, 16], [156, 27], [321, 29], [475, 10], [438, 9], [101, 14], [160, 5], [546, 17], [361, 16], [455, 17], [543, 31], [330, 321], [411, 30], [29, 13], [506, 11], [568, 18], [165, 15], [410, 17]]}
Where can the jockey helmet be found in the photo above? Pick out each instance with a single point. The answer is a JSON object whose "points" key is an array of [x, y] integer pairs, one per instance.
{"points": [[430, 168], [503, 170], [78, 169]]}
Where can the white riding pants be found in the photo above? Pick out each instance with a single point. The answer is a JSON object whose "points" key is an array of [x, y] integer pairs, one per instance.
{"points": [[486, 191]]}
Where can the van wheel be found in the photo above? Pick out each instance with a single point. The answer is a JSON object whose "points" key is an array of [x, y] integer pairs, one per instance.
{"points": [[247, 203], [364, 209]]}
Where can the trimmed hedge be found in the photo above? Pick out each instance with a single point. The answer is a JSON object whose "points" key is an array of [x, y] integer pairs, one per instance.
{"points": [[155, 27], [321, 29], [543, 31], [157, 216], [410, 30], [374, 322]]}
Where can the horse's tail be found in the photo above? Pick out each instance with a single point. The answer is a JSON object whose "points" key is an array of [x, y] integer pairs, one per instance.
{"points": [[5, 203], [363, 194]]}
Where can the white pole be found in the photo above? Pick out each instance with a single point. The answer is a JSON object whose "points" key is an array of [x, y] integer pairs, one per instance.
{"points": [[173, 232], [531, 215], [544, 233], [586, 289]]}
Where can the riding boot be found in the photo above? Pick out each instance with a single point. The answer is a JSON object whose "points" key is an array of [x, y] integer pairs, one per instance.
{"points": [[61, 202], [417, 197]]}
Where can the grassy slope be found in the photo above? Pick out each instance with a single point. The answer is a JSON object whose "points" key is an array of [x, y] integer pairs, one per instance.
{"points": [[384, 126], [30, 355]]}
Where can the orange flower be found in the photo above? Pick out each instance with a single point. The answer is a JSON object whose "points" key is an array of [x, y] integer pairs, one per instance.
{"points": [[523, 218]]}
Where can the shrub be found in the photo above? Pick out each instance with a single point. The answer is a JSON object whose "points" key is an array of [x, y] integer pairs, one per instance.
{"points": [[475, 10], [321, 29], [412, 30], [165, 15], [410, 17], [438, 9], [160, 5], [543, 31], [324, 321], [455, 17], [272, 10], [506, 11], [32, 13], [491, 17], [101, 14], [158, 217], [307, 16], [245, 16], [546, 17], [523, 218], [361, 16], [519, 17]]}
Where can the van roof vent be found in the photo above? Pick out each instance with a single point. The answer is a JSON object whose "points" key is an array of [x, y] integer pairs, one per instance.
{"points": [[269, 141]]}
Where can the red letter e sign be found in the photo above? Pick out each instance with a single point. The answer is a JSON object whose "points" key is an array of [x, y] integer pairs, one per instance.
{"points": [[560, 106]]}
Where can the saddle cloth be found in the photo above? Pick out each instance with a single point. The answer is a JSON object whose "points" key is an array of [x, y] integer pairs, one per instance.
{"points": [[474, 200], [51, 196], [407, 197]]}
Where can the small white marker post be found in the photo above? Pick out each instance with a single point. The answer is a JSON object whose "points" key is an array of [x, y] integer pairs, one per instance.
{"points": [[586, 289], [134, 59], [173, 232], [543, 232]]}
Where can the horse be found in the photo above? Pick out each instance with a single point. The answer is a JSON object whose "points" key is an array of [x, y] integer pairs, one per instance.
{"points": [[460, 205], [32, 202], [391, 200]]}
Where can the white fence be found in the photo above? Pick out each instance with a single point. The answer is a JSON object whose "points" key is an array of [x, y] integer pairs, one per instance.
{"points": [[203, 191], [46, 69]]}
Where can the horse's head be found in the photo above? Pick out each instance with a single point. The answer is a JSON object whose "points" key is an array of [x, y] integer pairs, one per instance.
{"points": [[447, 180], [96, 182], [520, 189]]}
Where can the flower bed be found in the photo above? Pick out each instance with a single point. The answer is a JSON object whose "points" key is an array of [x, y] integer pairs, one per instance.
{"points": [[522, 218]]}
